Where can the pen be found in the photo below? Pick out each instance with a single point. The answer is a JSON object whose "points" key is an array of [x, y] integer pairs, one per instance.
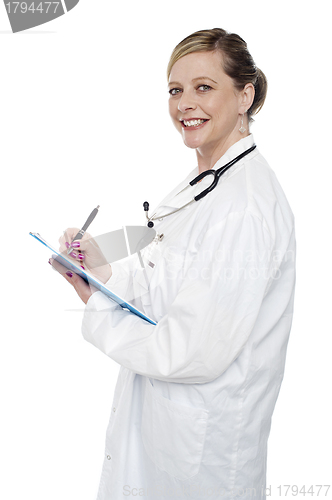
{"points": [[80, 233]]}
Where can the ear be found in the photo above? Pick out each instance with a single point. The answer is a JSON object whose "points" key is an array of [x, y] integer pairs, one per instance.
{"points": [[246, 98]]}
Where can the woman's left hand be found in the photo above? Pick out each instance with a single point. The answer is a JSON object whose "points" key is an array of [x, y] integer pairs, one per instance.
{"points": [[83, 290]]}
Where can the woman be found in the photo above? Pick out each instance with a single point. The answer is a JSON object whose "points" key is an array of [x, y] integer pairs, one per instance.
{"points": [[193, 403]]}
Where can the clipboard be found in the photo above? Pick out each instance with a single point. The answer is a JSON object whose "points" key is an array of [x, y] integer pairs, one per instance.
{"points": [[88, 278]]}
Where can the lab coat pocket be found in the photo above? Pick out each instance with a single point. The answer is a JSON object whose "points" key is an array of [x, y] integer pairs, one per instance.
{"points": [[173, 435]]}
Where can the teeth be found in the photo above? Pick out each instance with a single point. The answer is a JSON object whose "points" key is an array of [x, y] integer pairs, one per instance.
{"points": [[192, 123]]}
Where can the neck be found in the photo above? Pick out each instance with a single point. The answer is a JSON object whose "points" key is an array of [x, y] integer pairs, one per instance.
{"points": [[206, 158]]}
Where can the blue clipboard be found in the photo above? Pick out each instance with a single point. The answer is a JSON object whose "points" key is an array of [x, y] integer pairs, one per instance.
{"points": [[62, 259]]}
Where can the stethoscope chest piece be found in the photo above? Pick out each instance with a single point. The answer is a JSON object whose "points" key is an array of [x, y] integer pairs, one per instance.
{"points": [[146, 210]]}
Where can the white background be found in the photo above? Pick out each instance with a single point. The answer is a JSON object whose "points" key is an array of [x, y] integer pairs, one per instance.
{"points": [[84, 121]]}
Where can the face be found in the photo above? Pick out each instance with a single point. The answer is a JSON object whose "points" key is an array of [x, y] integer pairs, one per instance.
{"points": [[204, 105]]}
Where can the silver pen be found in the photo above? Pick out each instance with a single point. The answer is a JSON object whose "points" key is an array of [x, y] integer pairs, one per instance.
{"points": [[81, 232]]}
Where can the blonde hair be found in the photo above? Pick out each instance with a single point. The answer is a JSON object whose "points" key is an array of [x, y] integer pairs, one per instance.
{"points": [[236, 61]]}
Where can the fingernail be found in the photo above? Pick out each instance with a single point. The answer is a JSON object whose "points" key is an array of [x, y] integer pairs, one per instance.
{"points": [[80, 256], [73, 254], [83, 267], [67, 244], [75, 244], [68, 273], [49, 261]]}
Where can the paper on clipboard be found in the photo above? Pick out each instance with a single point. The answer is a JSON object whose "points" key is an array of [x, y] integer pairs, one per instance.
{"points": [[62, 259]]}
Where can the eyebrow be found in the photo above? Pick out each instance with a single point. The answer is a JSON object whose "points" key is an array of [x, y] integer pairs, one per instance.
{"points": [[194, 80]]}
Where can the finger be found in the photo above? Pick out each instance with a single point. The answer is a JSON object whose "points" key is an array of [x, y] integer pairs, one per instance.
{"points": [[74, 253], [60, 268], [68, 234], [83, 290], [67, 237], [83, 243], [72, 247], [75, 257], [68, 241], [89, 249], [69, 275]]}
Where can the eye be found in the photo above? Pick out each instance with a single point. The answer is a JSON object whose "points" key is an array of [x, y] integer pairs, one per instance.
{"points": [[204, 88], [174, 91]]}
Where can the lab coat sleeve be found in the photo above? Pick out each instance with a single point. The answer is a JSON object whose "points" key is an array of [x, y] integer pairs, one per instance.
{"points": [[211, 317], [121, 281]]}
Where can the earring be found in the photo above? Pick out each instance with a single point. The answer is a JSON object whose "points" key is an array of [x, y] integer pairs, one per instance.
{"points": [[242, 129]]}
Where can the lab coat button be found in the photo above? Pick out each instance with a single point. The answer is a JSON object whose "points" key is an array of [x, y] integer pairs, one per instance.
{"points": [[114, 409], [108, 457]]}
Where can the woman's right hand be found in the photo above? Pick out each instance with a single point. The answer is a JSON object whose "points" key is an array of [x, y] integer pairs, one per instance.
{"points": [[85, 253]]}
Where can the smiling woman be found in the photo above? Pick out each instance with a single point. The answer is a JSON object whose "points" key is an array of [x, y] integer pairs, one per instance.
{"points": [[237, 61], [193, 403], [207, 109], [218, 104]]}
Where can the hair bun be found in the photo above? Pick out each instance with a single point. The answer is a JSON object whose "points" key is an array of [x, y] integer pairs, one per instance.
{"points": [[260, 92]]}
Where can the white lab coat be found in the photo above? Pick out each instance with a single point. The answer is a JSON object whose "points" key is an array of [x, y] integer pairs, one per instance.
{"points": [[193, 403]]}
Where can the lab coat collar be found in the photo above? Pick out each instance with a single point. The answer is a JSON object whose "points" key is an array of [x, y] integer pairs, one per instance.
{"points": [[180, 196], [234, 151]]}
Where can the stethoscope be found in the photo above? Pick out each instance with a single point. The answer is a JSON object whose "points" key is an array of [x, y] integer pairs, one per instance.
{"points": [[216, 173]]}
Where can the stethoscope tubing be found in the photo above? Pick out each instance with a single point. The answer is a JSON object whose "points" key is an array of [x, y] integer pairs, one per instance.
{"points": [[216, 173]]}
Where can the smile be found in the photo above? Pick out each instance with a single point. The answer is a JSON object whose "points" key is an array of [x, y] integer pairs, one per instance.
{"points": [[193, 123]]}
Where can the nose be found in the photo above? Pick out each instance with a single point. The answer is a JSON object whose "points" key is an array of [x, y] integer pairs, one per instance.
{"points": [[186, 102]]}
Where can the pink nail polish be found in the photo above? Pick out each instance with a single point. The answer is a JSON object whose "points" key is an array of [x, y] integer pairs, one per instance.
{"points": [[81, 256], [67, 244], [68, 273], [75, 244], [73, 254], [83, 267]]}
